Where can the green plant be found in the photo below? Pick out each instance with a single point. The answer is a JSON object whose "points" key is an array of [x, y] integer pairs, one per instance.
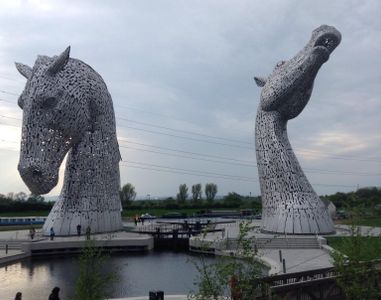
{"points": [[197, 193], [237, 274], [127, 194], [93, 281], [357, 278], [210, 192], [182, 194]]}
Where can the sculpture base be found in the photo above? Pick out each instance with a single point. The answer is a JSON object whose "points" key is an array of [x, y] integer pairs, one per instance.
{"points": [[287, 233], [66, 223], [304, 225]]}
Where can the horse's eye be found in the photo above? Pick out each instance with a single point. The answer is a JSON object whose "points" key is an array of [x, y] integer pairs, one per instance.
{"points": [[49, 102]]}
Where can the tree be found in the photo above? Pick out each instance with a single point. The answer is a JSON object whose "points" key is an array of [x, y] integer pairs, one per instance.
{"points": [[127, 194], [93, 282], [357, 273], [356, 277], [238, 275], [20, 196], [210, 191], [35, 198], [196, 192], [233, 200], [183, 193]]}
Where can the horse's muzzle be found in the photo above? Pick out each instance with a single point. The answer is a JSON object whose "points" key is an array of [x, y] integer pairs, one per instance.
{"points": [[38, 180]]}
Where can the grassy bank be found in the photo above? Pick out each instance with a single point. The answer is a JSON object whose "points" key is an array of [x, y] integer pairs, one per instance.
{"points": [[127, 213], [373, 222], [370, 246], [35, 213], [19, 227]]}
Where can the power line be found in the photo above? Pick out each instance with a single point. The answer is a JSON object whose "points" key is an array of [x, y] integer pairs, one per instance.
{"points": [[184, 173], [188, 138], [344, 157], [184, 131], [240, 162], [248, 164], [300, 150], [192, 171], [179, 155], [169, 169], [8, 93], [252, 180], [171, 135], [237, 146], [243, 162]]}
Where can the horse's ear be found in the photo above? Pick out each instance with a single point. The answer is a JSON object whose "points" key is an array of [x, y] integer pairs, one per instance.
{"points": [[260, 81], [24, 70], [59, 63]]}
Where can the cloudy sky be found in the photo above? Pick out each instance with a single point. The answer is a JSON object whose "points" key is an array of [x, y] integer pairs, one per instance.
{"points": [[181, 77]]}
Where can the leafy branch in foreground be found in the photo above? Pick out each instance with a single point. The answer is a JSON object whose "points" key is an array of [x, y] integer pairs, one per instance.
{"points": [[236, 273], [357, 278], [93, 282]]}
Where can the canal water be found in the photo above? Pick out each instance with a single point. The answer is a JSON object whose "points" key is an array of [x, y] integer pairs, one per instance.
{"points": [[174, 273]]}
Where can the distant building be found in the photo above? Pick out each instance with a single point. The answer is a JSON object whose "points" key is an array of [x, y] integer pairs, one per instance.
{"points": [[330, 207]]}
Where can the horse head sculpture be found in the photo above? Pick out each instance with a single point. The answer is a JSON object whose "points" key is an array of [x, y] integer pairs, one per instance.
{"points": [[290, 205], [68, 109]]}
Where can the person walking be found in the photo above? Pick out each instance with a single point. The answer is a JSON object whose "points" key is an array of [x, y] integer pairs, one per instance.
{"points": [[52, 233], [18, 296], [79, 229], [88, 232], [136, 220], [32, 232], [55, 294]]}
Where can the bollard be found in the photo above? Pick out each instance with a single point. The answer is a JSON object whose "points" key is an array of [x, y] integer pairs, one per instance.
{"points": [[6, 248], [284, 265], [156, 295], [280, 255]]}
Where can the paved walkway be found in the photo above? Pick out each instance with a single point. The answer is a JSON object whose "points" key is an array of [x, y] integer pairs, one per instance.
{"points": [[15, 235], [297, 260], [20, 245]]}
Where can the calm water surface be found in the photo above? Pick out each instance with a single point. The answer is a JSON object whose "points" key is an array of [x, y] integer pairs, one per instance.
{"points": [[174, 273]]}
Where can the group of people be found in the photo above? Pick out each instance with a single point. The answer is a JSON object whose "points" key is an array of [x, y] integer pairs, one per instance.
{"points": [[138, 219], [52, 234], [79, 228], [54, 295], [88, 231]]}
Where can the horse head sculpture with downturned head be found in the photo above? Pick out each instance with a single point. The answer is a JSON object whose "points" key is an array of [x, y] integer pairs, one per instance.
{"points": [[68, 109], [290, 205]]}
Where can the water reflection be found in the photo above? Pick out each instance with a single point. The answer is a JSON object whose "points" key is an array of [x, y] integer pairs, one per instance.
{"points": [[139, 273]]}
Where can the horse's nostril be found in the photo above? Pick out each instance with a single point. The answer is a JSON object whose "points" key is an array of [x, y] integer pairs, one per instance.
{"points": [[36, 172]]}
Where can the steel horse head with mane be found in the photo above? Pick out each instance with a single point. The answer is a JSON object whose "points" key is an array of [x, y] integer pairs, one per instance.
{"points": [[68, 109], [290, 205]]}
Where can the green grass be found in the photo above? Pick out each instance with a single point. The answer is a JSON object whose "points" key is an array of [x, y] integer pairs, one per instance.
{"points": [[374, 222], [19, 227], [34, 213], [127, 213], [370, 246]]}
